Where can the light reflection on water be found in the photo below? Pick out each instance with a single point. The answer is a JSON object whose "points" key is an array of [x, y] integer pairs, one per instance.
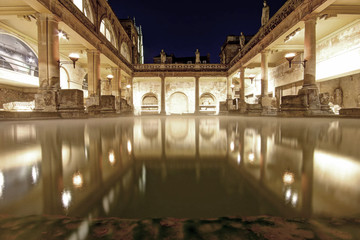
{"points": [[181, 167]]}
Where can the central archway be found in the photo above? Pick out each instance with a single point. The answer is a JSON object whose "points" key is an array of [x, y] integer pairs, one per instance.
{"points": [[179, 103]]}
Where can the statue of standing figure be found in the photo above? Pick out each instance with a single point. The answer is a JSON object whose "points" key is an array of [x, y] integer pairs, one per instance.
{"points": [[242, 40], [162, 56], [197, 56], [265, 14]]}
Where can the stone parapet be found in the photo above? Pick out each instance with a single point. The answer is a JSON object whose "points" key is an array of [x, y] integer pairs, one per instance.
{"points": [[351, 112], [71, 100], [46, 100], [107, 103], [180, 67]]}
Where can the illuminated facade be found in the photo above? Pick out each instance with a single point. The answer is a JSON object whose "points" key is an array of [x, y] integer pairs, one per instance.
{"points": [[109, 74]]}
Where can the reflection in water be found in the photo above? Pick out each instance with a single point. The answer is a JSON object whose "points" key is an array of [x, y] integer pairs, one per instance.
{"points": [[180, 167]]}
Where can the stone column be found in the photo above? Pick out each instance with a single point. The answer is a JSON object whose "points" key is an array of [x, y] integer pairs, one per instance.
{"points": [[132, 92], [163, 111], [197, 97], [242, 104], [229, 93], [310, 52], [49, 70], [264, 73], [93, 77], [310, 93], [116, 87]]}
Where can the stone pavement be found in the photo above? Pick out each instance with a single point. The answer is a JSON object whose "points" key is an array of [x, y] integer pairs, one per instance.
{"points": [[262, 227]]}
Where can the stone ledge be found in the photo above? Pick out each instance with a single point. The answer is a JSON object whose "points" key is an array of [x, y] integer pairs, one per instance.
{"points": [[350, 112]]}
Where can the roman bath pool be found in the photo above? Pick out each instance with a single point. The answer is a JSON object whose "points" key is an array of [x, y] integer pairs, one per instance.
{"points": [[180, 167]]}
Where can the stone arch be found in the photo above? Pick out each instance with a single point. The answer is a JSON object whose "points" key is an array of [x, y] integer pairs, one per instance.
{"points": [[207, 99], [86, 7], [64, 78], [149, 99], [107, 29], [179, 103], [125, 51], [17, 55]]}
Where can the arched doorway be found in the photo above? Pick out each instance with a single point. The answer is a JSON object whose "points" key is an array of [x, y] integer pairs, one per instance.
{"points": [[179, 103], [208, 102], [149, 103]]}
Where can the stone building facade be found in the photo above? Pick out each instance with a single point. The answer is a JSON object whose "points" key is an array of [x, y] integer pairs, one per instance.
{"points": [[108, 73]]}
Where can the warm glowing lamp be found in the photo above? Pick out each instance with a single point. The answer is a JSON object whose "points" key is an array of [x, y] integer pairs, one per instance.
{"points": [[109, 77], [78, 180], [112, 157], [288, 177], [74, 57], [290, 57], [128, 86], [251, 77]]}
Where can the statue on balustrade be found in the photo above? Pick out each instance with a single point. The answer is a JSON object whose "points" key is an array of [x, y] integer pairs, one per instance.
{"points": [[265, 14], [162, 56]]}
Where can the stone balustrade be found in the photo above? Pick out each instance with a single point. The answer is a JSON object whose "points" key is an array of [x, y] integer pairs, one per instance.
{"points": [[180, 67]]}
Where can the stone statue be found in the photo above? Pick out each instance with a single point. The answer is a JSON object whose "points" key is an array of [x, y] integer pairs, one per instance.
{"points": [[338, 96], [162, 56], [265, 14], [197, 56], [242, 40]]}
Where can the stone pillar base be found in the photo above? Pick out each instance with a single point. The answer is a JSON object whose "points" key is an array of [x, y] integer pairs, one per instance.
{"points": [[254, 109], [107, 103], [242, 107], [46, 101], [117, 104], [92, 103], [71, 100], [268, 105], [306, 103], [229, 104]]}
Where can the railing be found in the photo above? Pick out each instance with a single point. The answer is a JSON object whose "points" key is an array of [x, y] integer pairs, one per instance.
{"points": [[17, 65], [179, 67]]}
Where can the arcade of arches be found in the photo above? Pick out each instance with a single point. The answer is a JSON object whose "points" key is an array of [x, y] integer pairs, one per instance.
{"points": [[86, 60]]}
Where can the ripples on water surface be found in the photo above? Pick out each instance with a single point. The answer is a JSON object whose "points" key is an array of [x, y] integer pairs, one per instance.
{"points": [[192, 167]]}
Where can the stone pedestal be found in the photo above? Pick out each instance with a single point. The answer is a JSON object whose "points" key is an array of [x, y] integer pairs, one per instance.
{"points": [[254, 109], [107, 103], [268, 105], [71, 100], [242, 107], [46, 100], [92, 102]]}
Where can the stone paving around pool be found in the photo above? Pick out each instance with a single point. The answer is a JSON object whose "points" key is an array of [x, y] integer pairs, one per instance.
{"points": [[262, 227]]}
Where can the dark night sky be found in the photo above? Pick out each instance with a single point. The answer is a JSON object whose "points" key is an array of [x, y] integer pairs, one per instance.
{"points": [[180, 27]]}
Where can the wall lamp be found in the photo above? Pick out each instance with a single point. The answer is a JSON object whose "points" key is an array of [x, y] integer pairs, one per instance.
{"points": [[251, 77], [290, 57], [73, 57], [109, 77]]}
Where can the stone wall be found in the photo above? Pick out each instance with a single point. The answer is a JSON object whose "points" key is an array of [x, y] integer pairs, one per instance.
{"points": [[339, 53], [216, 87], [16, 95], [185, 85], [144, 86], [348, 85]]}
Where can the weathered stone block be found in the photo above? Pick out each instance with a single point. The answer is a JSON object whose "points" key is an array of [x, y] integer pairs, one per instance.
{"points": [[107, 103], [71, 99], [47, 101]]}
